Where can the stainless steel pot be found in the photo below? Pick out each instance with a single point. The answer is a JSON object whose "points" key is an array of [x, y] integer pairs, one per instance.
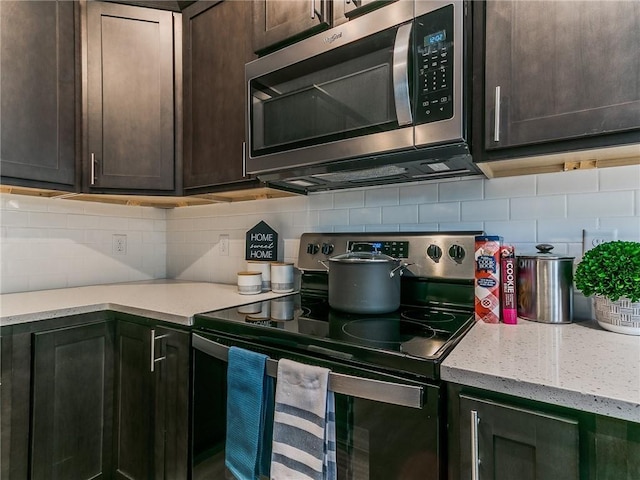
{"points": [[364, 282], [545, 286]]}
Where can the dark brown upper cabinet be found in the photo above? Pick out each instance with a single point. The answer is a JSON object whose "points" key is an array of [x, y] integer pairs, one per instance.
{"points": [[40, 95], [130, 113], [279, 22], [558, 71], [217, 44]]}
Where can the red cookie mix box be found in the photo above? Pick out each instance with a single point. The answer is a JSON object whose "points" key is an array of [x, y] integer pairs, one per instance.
{"points": [[487, 278]]}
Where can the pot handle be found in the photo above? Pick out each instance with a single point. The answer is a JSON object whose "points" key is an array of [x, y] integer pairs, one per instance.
{"points": [[401, 267], [324, 264]]}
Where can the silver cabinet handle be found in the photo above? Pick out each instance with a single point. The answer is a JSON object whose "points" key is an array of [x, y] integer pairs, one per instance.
{"points": [[475, 458], [496, 120], [244, 159], [93, 169], [313, 8], [376, 390], [153, 349], [401, 74]]}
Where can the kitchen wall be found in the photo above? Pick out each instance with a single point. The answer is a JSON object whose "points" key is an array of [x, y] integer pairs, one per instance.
{"points": [[47, 243], [525, 210], [55, 243]]}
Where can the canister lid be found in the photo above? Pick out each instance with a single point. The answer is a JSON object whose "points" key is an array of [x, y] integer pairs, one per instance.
{"points": [[544, 253]]}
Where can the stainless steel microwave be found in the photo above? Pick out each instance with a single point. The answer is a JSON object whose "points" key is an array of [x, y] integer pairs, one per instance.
{"points": [[380, 99]]}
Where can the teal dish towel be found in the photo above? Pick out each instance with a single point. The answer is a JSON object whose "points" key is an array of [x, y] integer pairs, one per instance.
{"points": [[304, 424], [250, 400]]}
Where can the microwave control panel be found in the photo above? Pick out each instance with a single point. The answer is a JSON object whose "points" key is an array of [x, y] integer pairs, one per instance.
{"points": [[433, 37]]}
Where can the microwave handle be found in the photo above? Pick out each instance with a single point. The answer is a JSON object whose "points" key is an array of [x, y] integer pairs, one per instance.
{"points": [[368, 388], [401, 50]]}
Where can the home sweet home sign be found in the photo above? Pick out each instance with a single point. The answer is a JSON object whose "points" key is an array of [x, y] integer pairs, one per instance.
{"points": [[262, 243]]}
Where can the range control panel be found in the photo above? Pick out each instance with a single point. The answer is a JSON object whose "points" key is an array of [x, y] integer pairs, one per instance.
{"points": [[447, 255]]}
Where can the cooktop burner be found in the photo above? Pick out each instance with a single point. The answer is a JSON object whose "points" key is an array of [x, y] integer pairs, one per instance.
{"points": [[308, 323]]}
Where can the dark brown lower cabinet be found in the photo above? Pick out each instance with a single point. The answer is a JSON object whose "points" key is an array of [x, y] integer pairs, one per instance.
{"points": [[72, 403], [152, 402], [506, 442]]}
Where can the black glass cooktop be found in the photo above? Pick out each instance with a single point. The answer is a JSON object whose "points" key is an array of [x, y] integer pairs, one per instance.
{"points": [[413, 338]]}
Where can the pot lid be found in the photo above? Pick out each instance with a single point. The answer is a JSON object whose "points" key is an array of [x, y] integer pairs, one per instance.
{"points": [[544, 253]]}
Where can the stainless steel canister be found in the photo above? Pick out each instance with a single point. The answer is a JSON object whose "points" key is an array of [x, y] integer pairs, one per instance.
{"points": [[545, 286]]}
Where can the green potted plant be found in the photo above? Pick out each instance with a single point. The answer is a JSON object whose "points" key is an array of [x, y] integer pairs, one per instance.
{"points": [[610, 273]]}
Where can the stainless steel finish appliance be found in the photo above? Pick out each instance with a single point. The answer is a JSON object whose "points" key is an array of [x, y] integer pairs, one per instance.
{"points": [[379, 99], [390, 408]]}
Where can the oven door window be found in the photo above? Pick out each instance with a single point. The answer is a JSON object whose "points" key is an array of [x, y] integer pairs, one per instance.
{"points": [[344, 93], [374, 440]]}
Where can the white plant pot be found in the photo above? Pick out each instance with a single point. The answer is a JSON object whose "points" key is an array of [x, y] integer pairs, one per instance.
{"points": [[621, 316]]}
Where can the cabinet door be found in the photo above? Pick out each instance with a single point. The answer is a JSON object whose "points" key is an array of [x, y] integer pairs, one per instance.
{"points": [[277, 22], [15, 403], [72, 403], [130, 98], [38, 92], [516, 444], [172, 350], [217, 45], [134, 403], [560, 70], [152, 403]]}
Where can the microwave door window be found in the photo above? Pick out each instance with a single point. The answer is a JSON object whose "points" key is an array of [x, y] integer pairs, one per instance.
{"points": [[329, 110], [315, 102]]}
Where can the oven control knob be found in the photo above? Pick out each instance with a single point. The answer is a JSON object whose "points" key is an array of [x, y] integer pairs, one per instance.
{"points": [[327, 248], [312, 248], [434, 252], [457, 253]]}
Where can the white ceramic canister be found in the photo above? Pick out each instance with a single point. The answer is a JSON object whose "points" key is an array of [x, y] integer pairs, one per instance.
{"points": [[282, 277], [249, 283], [265, 269]]}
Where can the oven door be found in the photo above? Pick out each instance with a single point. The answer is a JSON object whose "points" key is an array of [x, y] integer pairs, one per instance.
{"points": [[340, 94], [386, 427]]}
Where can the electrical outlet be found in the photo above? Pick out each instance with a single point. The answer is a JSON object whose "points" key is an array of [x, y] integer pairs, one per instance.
{"points": [[119, 244], [223, 245], [593, 238]]}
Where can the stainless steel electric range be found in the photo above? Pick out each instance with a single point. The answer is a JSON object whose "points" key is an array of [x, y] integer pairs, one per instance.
{"points": [[390, 404]]}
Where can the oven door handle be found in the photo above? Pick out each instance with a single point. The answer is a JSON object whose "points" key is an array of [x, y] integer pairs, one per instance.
{"points": [[367, 388]]}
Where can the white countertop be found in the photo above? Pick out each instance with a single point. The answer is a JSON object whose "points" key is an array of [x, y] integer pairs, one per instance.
{"points": [[577, 365], [169, 300]]}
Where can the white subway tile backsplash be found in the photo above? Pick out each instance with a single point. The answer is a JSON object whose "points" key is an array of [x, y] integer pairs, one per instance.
{"points": [[546, 206], [417, 194], [439, 212], [603, 204], [485, 210], [519, 231], [348, 199], [462, 190], [41, 219], [76, 237], [564, 230], [333, 217], [619, 178], [382, 196], [575, 181], [400, 214], [365, 216], [510, 187]]}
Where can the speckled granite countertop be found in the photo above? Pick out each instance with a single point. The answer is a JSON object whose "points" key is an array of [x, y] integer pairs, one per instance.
{"points": [[578, 365], [168, 300]]}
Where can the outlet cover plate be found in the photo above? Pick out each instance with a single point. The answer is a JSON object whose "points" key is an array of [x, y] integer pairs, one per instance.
{"points": [[593, 238], [223, 245], [119, 244]]}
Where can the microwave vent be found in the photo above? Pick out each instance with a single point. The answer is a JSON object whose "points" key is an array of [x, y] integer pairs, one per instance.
{"points": [[363, 175]]}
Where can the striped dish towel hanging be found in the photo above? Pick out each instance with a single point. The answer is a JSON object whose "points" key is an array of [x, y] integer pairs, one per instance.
{"points": [[303, 445]]}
